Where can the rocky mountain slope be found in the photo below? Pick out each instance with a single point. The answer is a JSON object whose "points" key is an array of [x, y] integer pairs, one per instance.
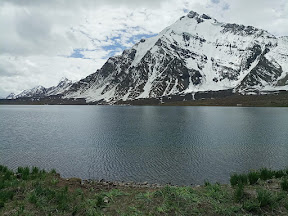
{"points": [[40, 91], [195, 54]]}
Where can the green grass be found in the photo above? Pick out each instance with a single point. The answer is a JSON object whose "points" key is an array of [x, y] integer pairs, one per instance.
{"points": [[253, 177], [266, 174], [239, 192], [265, 198], [236, 179], [284, 184], [31, 191]]}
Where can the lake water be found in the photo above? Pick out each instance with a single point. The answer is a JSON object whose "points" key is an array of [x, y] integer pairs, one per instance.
{"points": [[178, 145]]}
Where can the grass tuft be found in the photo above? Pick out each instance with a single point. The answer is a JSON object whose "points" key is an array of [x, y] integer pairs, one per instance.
{"points": [[265, 198], [266, 174], [239, 193], [236, 179], [251, 206], [279, 173], [253, 177], [284, 184]]}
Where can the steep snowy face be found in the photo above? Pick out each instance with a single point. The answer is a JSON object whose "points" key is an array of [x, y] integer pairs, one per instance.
{"points": [[40, 91], [197, 53]]}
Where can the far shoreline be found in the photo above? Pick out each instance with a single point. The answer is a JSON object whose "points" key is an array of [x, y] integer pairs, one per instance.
{"points": [[234, 100]]}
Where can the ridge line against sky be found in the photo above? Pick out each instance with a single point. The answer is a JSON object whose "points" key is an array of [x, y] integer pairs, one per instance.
{"points": [[43, 41]]}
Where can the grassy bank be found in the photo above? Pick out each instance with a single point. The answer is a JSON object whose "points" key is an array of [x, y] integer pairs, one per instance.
{"points": [[30, 191]]}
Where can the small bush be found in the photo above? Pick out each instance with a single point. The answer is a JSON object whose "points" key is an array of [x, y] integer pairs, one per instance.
{"points": [[266, 174], [253, 177], [284, 184], [265, 198], [239, 192]]}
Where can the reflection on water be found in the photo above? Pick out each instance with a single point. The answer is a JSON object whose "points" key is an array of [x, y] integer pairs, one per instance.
{"points": [[181, 145]]}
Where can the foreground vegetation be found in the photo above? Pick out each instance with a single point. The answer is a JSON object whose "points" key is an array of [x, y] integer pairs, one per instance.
{"points": [[30, 191]]}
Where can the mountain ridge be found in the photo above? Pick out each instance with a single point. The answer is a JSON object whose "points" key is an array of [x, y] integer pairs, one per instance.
{"points": [[195, 54], [40, 91]]}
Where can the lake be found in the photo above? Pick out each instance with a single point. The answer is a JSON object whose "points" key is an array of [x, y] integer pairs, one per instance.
{"points": [[178, 145]]}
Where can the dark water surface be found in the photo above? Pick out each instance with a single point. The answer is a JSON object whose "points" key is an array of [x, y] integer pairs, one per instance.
{"points": [[181, 145]]}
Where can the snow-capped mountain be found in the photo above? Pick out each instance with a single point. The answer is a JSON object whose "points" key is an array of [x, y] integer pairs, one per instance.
{"points": [[11, 96], [196, 53], [40, 91]]}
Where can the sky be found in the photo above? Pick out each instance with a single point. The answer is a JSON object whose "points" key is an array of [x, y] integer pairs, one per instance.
{"points": [[44, 41]]}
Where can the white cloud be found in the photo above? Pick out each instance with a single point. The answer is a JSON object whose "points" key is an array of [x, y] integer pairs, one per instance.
{"points": [[40, 35]]}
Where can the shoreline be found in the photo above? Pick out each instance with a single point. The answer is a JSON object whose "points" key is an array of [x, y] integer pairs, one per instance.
{"points": [[31, 191], [222, 98]]}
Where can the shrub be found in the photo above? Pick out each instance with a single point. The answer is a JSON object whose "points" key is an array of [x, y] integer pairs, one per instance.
{"points": [[253, 177], [266, 174], [265, 198], [284, 184]]}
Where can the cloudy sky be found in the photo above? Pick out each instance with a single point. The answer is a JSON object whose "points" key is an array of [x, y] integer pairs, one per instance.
{"points": [[43, 41]]}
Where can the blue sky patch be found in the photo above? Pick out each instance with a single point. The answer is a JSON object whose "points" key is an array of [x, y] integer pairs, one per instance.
{"points": [[77, 54], [117, 46], [185, 10]]}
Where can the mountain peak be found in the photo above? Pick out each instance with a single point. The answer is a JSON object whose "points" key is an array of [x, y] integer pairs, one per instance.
{"points": [[63, 79], [11, 96], [192, 14], [199, 18]]}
